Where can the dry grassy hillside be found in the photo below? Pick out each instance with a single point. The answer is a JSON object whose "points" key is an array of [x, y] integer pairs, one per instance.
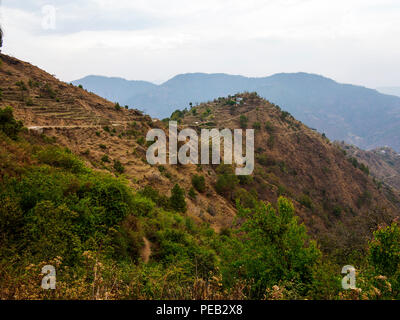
{"points": [[338, 203], [383, 163], [92, 127], [331, 196]]}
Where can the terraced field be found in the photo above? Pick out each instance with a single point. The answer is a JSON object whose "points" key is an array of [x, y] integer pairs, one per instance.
{"points": [[39, 99]]}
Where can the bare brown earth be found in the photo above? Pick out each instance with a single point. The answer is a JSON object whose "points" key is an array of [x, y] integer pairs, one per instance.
{"points": [[335, 200], [146, 250]]}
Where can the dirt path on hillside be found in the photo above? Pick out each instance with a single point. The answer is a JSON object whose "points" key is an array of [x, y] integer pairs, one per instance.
{"points": [[146, 250], [74, 126]]}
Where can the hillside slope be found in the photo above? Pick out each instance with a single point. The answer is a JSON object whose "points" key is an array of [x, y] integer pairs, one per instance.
{"points": [[355, 114], [292, 160], [76, 192], [94, 128], [300, 163], [383, 163]]}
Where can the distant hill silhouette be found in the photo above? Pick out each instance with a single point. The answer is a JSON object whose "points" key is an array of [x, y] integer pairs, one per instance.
{"points": [[355, 114]]}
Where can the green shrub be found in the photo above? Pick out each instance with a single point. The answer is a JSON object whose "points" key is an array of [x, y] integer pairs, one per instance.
{"points": [[282, 191], [364, 199], [243, 120], [105, 158], [21, 84], [61, 158], [127, 241], [272, 247], [118, 167], [306, 201], [177, 199], [284, 115], [177, 115], [192, 193], [271, 141], [226, 183], [50, 232], [142, 206], [141, 140], [11, 221], [33, 83], [269, 127], [117, 107], [199, 183], [245, 199], [154, 195], [384, 250], [264, 160], [257, 125], [364, 168], [354, 162], [49, 91], [8, 124], [337, 211], [245, 179], [29, 102]]}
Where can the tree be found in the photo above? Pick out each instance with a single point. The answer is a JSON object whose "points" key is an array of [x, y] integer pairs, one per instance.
{"points": [[226, 184], [199, 183], [243, 121], [384, 250], [226, 180], [8, 124], [272, 247], [177, 200], [50, 231], [117, 106], [384, 258]]}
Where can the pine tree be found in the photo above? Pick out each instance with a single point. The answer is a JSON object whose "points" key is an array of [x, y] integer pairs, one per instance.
{"points": [[177, 200]]}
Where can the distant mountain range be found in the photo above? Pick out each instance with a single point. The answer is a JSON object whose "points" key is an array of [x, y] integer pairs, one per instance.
{"points": [[355, 114]]}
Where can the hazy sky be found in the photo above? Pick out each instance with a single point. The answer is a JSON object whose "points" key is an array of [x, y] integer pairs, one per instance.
{"points": [[352, 41]]}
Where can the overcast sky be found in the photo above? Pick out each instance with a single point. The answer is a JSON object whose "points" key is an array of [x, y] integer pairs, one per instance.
{"points": [[351, 41]]}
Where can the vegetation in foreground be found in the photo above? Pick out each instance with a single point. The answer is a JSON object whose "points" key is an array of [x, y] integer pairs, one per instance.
{"points": [[91, 226]]}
